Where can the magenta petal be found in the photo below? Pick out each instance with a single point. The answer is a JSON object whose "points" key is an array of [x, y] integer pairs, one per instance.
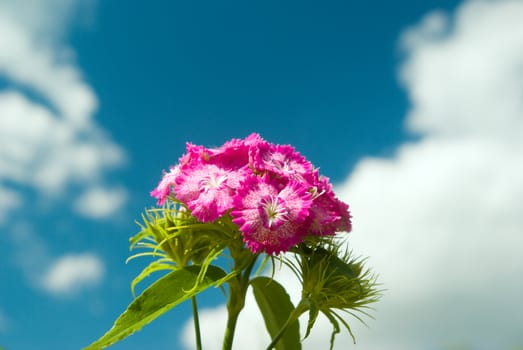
{"points": [[328, 215], [234, 154], [207, 190], [270, 217], [163, 190], [273, 193], [282, 160]]}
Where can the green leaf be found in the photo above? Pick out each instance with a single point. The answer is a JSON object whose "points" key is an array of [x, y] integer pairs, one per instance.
{"points": [[157, 265], [160, 297], [276, 308]]}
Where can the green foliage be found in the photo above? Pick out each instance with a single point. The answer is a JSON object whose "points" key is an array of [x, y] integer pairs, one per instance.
{"points": [[186, 247], [277, 310], [160, 297], [332, 282]]}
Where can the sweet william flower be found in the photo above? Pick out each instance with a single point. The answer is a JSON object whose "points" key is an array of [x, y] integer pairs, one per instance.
{"points": [[269, 213], [210, 183], [328, 214], [192, 157], [163, 190], [207, 190], [234, 154], [282, 160]]}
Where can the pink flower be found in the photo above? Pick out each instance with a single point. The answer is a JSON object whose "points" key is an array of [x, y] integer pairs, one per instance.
{"points": [[207, 190], [282, 160], [273, 193], [328, 214], [195, 154], [163, 190], [234, 154], [269, 214]]}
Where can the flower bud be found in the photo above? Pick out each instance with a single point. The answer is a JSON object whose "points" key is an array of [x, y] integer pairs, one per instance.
{"points": [[332, 281]]}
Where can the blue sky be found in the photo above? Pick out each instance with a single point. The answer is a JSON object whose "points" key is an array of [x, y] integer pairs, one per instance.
{"points": [[412, 108]]}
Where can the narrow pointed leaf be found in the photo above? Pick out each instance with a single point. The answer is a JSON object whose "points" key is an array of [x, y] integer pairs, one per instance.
{"points": [[276, 307], [160, 297]]}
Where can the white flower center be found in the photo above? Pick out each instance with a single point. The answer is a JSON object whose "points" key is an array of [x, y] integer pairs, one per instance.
{"points": [[212, 182], [274, 212]]}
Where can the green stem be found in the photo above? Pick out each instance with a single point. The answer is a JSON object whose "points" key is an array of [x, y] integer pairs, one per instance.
{"points": [[196, 324], [231, 326], [237, 291], [293, 317]]}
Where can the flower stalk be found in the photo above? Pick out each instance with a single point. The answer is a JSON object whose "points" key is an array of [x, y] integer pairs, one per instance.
{"points": [[237, 292], [196, 320]]}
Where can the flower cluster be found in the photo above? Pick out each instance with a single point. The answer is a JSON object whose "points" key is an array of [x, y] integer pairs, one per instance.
{"points": [[274, 195]]}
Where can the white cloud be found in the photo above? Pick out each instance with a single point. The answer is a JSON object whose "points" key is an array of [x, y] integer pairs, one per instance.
{"points": [[441, 220], [48, 138], [48, 19], [99, 203], [466, 77], [52, 152], [441, 223], [71, 273], [26, 59], [9, 200], [66, 275]]}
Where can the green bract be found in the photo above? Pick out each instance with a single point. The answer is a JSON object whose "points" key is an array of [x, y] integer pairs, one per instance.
{"points": [[177, 239], [334, 282]]}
